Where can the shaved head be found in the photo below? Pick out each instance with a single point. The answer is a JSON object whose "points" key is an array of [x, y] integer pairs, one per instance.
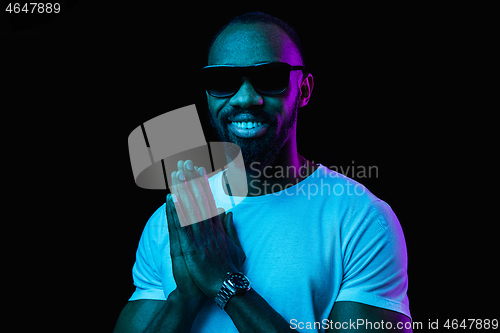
{"points": [[280, 30], [249, 42]]}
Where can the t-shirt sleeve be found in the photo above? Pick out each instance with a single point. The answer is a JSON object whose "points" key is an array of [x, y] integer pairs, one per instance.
{"points": [[147, 268], [375, 260]]}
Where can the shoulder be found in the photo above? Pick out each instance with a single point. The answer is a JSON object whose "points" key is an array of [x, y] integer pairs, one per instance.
{"points": [[354, 203], [380, 212], [156, 229], [340, 188]]}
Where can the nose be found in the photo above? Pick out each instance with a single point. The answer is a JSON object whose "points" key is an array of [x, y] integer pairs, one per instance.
{"points": [[246, 96]]}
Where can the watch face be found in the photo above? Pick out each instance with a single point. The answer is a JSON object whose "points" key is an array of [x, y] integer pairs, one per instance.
{"points": [[239, 281]]}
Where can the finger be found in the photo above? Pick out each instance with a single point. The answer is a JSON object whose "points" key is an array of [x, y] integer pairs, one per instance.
{"points": [[194, 180], [217, 224], [177, 192], [216, 214], [180, 164], [221, 215], [229, 228], [173, 225], [196, 189], [182, 237], [208, 192], [221, 211], [190, 208], [186, 201]]}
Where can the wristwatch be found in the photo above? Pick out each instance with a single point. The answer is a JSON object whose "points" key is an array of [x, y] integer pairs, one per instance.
{"points": [[235, 283]]}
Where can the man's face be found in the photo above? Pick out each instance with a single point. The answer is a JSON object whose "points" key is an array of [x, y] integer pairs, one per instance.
{"points": [[250, 44]]}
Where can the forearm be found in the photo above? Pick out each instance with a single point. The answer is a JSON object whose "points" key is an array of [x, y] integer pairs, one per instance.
{"points": [[175, 316], [251, 313]]}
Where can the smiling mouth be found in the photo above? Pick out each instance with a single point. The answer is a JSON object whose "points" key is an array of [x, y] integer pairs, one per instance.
{"points": [[248, 130]]}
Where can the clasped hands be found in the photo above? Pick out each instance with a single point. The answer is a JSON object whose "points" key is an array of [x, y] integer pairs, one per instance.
{"points": [[204, 245]]}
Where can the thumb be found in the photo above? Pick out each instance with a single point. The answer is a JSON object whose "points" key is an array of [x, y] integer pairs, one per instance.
{"points": [[228, 225], [222, 214]]}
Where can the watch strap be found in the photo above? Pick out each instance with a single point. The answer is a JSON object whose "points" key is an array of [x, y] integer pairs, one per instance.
{"points": [[224, 294]]}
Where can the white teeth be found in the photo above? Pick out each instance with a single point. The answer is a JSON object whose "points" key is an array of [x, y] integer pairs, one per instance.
{"points": [[246, 125]]}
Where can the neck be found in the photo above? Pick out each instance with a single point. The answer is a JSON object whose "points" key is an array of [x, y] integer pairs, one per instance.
{"points": [[287, 169]]}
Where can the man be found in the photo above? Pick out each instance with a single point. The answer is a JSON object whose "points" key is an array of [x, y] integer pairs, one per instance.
{"points": [[307, 249]]}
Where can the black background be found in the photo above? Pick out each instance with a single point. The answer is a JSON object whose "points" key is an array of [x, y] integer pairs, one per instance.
{"points": [[395, 87]]}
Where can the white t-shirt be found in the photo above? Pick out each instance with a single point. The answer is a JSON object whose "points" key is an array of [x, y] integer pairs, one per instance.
{"points": [[323, 240]]}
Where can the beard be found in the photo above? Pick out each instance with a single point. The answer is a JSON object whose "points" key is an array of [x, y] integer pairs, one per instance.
{"points": [[258, 152]]}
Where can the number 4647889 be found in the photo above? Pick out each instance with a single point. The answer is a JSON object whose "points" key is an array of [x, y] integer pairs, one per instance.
{"points": [[472, 323], [34, 7]]}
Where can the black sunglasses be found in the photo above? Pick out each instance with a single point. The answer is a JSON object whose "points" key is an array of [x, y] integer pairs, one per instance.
{"points": [[268, 78]]}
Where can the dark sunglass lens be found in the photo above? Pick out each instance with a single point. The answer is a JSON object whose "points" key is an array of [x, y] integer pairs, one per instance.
{"points": [[271, 79], [221, 81]]}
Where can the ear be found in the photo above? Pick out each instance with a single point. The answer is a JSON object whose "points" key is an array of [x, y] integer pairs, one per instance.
{"points": [[306, 89]]}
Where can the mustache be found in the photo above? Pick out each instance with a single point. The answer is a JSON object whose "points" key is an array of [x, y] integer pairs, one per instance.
{"points": [[234, 111]]}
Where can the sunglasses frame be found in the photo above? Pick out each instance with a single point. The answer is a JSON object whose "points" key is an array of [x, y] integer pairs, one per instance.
{"points": [[248, 69]]}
